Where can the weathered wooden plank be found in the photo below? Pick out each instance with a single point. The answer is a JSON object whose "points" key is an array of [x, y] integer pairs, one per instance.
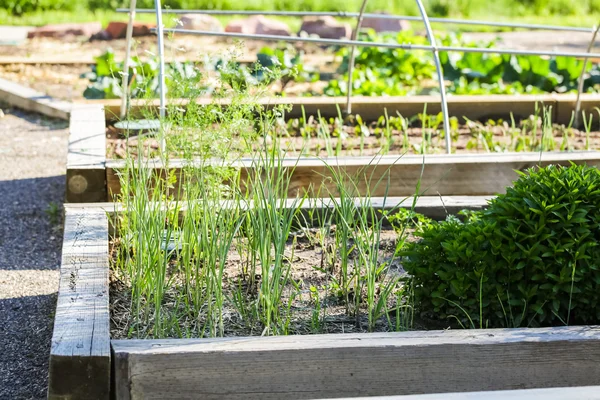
{"points": [[444, 175], [31, 100], [569, 393], [589, 105], [86, 175], [477, 107], [436, 207], [80, 353], [354, 365], [371, 108]]}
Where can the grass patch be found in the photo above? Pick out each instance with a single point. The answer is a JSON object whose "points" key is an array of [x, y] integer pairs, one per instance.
{"points": [[498, 12]]}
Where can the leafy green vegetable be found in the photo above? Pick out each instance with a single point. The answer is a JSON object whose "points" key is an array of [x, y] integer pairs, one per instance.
{"points": [[377, 72], [273, 63], [392, 72], [106, 78]]}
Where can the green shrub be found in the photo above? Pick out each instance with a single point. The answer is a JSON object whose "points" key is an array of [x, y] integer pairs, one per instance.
{"points": [[532, 258], [594, 6], [18, 7]]}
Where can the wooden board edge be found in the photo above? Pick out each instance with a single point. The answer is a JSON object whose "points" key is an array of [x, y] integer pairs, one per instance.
{"points": [[405, 339], [565, 108], [564, 393], [435, 207], [28, 99], [371, 108], [444, 175], [354, 365], [79, 364], [385, 160]]}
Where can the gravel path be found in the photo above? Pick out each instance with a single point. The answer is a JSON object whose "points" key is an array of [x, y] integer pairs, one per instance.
{"points": [[32, 168]]}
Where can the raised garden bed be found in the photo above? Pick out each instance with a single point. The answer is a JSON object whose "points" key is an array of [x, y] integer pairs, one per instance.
{"points": [[93, 177], [297, 367]]}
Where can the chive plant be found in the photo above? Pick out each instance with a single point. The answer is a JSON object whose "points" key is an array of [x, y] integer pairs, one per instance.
{"points": [[587, 124], [270, 218], [363, 279]]}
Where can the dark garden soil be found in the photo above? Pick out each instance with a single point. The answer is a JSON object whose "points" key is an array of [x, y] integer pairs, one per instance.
{"points": [[349, 141], [313, 263]]}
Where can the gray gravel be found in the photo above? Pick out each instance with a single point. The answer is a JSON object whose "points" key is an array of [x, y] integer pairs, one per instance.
{"points": [[32, 177]]}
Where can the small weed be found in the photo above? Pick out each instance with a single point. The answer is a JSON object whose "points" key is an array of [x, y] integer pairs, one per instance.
{"points": [[54, 213]]}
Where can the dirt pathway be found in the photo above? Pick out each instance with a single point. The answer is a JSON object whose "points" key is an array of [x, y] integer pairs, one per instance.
{"points": [[537, 40], [32, 168]]}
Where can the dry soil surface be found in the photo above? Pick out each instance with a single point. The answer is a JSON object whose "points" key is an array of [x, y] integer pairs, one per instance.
{"points": [[32, 177], [73, 55]]}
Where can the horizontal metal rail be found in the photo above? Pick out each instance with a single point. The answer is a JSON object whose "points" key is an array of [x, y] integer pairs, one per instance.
{"points": [[403, 46], [343, 14]]}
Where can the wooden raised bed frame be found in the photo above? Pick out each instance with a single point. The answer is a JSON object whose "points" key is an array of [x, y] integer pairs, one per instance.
{"points": [[371, 108], [292, 367], [31, 100], [93, 178], [86, 364]]}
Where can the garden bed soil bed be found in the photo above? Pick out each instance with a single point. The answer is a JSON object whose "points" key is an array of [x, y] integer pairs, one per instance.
{"points": [[311, 264], [67, 81], [343, 140], [62, 82], [56, 67], [93, 177], [81, 50]]}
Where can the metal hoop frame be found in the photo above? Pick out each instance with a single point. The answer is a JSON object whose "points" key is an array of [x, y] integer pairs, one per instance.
{"points": [[353, 43]]}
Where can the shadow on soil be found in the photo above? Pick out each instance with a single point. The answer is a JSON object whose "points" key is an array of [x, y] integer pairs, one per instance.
{"points": [[25, 332], [31, 215]]}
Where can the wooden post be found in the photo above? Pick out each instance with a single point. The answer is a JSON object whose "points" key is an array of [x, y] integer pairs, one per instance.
{"points": [[86, 174]]}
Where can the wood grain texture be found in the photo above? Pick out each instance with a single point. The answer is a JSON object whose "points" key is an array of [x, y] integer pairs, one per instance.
{"points": [[436, 207], [569, 393], [444, 175], [80, 353], [86, 174], [565, 108], [354, 365], [31, 100], [371, 108]]}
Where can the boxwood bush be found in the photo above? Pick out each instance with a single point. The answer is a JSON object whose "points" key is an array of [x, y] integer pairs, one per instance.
{"points": [[532, 258]]}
